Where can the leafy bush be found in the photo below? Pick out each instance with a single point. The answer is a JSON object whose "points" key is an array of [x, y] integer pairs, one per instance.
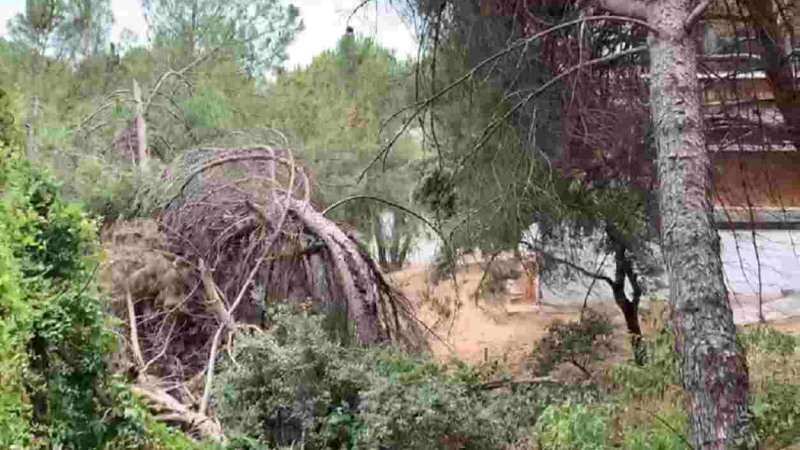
{"points": [[58, 340], [775, 415], [11, 138], [15, 317], [766, 339], [597, 426], [574, 426], [292, 384], [667, 432], [287, 382], [55, 387], [112, 191], [443, 408], [658, 377], [775, 395], [15, 320], [579, 343]]}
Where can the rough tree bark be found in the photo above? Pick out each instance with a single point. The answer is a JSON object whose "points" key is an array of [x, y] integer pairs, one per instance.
{"points": [[629, 307], [362, 299], [714, 368]]}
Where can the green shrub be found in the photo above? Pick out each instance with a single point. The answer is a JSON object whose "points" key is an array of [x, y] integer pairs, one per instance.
{"points": [[11, 137], [55, 387], [774, 411], [657, 377], [287, 382], [292, 384], [575, 426], [766, 339], [775, 415], [15, 323], [112, 191], [655, 439], [441, 408], [579, 343], [52, 239], [15, 317], [54, 329], [665, 429]]}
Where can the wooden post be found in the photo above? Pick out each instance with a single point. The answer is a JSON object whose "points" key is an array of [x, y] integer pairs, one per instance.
{"points": [[530, 269]]}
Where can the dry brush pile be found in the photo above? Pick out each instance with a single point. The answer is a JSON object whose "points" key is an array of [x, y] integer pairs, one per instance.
{"points": [[236, 231]]}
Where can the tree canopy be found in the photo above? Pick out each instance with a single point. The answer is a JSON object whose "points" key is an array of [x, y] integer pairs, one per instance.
{"points": [[255, 33]]}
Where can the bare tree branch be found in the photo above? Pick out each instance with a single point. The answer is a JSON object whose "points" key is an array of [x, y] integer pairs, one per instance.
{"points": [[163, 349], [632, 8], [200, 423], [389, 203], [489, 130], [355, 10], [210, 372], [424, 104], [695, 14], [214, 302], [570, 264], [137, 350]]}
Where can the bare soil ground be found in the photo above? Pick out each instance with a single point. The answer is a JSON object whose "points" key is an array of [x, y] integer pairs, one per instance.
{"points": [[493, 329], [497, 328]]}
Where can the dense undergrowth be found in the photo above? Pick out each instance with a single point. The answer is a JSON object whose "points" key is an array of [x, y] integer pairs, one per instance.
{"points": [[291, 385], [56, 386]]}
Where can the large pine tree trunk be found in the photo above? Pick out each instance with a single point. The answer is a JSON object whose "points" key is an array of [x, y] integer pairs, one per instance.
{"points": [[714, 367]]}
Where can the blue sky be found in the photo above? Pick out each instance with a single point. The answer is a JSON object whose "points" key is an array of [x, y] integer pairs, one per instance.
{"points": [[324, 20]]}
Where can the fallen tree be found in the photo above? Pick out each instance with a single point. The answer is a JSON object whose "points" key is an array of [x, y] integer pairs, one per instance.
{"points": [[236, 231]]}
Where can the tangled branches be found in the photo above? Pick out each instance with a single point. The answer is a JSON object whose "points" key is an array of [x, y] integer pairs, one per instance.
{"points": [[238, 232]]}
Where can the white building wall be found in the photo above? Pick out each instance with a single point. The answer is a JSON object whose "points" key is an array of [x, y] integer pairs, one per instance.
{"points": [[778, 252]]}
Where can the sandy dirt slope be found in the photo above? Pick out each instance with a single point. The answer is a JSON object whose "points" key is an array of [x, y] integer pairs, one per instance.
{"points": [[501, 329], [498, 327]]}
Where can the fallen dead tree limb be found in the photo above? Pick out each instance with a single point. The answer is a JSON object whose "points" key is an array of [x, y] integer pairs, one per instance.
{"points": [[237, 232], [212, 357], [497, 384], [171, 410], [227, 220], [160, 400]]}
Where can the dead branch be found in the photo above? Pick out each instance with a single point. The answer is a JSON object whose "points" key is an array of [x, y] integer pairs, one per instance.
{"points": [[137, 350], [497, 384], [229, 233], [696, 13], [214, 302], [176, 412], [210, 372]]}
